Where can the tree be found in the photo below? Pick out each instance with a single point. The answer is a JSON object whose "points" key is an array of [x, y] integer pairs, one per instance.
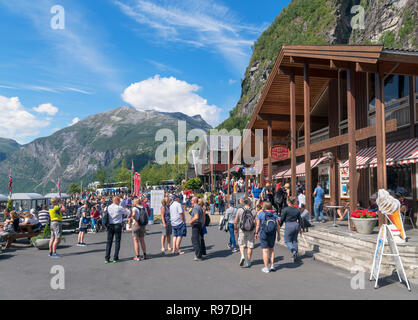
{"points": [[101, 175], [74, 188], [124, 176], [193, 184]]}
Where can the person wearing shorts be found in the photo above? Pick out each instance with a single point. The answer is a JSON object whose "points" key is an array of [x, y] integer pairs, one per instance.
{"points": [[267, 241], [167, 229], [138, 231], [245, 238], [55, 214], [178, 222]]}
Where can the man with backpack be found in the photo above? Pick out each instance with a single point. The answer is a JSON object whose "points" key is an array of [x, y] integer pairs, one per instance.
{"points": [[244, 225], [266, 230], [138, 221]]}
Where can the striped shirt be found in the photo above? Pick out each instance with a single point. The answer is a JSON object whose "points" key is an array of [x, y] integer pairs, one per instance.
{"points": [[43, 217]]}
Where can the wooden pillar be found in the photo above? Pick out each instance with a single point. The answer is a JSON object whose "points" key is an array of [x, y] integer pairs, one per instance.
{"points": [[412, 103], [380, 137], [293, 136], [269, 146], [307, 147], [352, 150]]}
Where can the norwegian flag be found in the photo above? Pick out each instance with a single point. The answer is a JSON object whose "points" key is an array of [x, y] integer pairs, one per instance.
{"points": [[10, 183], [133, 168]]}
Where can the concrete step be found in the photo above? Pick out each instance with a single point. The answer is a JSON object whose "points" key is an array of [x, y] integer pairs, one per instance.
{"points": [[345, 253]]}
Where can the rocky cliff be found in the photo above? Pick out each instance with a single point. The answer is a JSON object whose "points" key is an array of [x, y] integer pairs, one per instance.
{"points": [[392, 23]]}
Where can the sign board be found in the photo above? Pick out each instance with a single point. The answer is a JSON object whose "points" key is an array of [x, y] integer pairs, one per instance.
{"points": [[156, 197], [378, 255], [385, 234], [279, 153]]}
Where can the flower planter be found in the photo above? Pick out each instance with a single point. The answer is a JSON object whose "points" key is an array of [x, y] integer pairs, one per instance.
{"points": [[42, 244], [364, 226]]}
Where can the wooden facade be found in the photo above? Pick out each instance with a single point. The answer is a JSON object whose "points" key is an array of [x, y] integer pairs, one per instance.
{"points": [[315, 87]]}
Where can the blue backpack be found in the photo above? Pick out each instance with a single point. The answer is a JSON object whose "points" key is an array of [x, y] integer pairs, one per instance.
{"points": [[269, 223]]}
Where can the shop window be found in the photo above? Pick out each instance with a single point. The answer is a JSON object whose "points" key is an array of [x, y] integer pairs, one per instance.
{"points": [[396, 100], [399, 178], [323, 178]]}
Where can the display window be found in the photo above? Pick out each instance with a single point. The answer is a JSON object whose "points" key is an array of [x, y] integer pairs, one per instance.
{"points": [[399, 180], [323, 178]]}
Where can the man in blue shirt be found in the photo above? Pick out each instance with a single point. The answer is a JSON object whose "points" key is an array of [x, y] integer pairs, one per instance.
{"points": [[319, 194]]}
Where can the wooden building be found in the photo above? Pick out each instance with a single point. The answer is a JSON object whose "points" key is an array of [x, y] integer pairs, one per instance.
{"points": [[341, 110]]}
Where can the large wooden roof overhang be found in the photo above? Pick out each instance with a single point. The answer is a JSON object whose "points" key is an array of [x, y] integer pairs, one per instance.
{"points": [[324, 65]]}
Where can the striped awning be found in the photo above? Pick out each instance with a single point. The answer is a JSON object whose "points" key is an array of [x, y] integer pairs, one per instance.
{"points": [[397, 153], [286, 172]]}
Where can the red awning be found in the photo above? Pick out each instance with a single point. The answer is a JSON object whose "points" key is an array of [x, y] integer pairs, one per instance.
{"points": [[286, 172], [397, 153]]}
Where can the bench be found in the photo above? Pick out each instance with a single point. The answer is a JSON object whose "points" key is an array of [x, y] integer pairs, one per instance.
{"points": [[11, 238]]}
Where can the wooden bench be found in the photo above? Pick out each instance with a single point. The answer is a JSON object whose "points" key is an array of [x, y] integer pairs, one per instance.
{"points": [[11, 238]]}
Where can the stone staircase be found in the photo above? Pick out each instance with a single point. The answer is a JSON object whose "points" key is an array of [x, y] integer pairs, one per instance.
{"points": [[344, 251]]}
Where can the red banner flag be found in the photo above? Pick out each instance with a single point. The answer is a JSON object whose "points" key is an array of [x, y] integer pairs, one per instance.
{"points": [[137, 184]]}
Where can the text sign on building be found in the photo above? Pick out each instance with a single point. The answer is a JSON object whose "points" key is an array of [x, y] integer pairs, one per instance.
{"points": [[279, 153]]}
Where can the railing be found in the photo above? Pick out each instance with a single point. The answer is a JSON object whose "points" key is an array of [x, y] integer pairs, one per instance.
{"points": [[317, 136], [395, 109]]}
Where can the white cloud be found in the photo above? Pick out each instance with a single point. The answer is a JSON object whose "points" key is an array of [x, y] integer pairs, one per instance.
{"points": [[17, 122], [231, 81], [198, 23], [170, 95], [75, 120], [47, 108]]}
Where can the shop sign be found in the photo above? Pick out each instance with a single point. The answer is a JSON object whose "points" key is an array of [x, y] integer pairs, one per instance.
{"points": [[279, 153]]}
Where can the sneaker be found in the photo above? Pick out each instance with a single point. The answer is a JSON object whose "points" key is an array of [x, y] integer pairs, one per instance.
{"points": [[323, 221], [229, 246], [78, 244], [137, 259], [50, 254], [197, 259], [242, 261], [295, 257], [272, 268], [249, 264], [235, 250], [115, 261], [83, 244], [56, 256], [107, 261], [265, 270]]}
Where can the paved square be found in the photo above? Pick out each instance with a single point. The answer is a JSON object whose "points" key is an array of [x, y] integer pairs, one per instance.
{"points": [[25, 274]]}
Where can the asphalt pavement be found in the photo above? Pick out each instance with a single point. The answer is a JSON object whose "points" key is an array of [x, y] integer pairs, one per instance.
{"points": [[25, 273]]}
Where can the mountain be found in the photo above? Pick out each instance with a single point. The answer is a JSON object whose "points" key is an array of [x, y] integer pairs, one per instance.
{"points": [[392, 23], [73, 154]]}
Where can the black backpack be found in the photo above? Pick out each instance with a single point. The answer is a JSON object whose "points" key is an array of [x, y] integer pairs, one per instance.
{"points": [[207, 220], [143, 216], [247, 221]]}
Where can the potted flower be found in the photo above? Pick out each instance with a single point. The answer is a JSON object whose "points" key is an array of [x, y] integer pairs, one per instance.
{"points": [[364, 221]]}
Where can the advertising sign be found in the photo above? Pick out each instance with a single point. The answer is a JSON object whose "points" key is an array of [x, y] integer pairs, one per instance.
{"points": [[385, 234], [156, 197], [279, 153]]}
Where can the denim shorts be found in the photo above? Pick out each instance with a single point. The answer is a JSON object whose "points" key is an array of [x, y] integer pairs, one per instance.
{"points": [[180, 230], [267, 242], [83, 230]]}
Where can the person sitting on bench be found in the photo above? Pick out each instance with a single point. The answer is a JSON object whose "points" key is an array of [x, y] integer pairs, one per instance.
{"points": [[29, 223], [11, 224]]}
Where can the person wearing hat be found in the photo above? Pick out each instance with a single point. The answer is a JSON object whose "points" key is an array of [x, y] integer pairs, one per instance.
{"points": [[230, 215]]}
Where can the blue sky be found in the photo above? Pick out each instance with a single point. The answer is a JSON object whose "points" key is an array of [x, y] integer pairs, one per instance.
{"points": [[166, 55]]}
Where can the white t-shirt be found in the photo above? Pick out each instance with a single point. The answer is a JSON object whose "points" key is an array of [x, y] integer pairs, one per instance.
{"points": [[175, 210], [301, 199]]}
